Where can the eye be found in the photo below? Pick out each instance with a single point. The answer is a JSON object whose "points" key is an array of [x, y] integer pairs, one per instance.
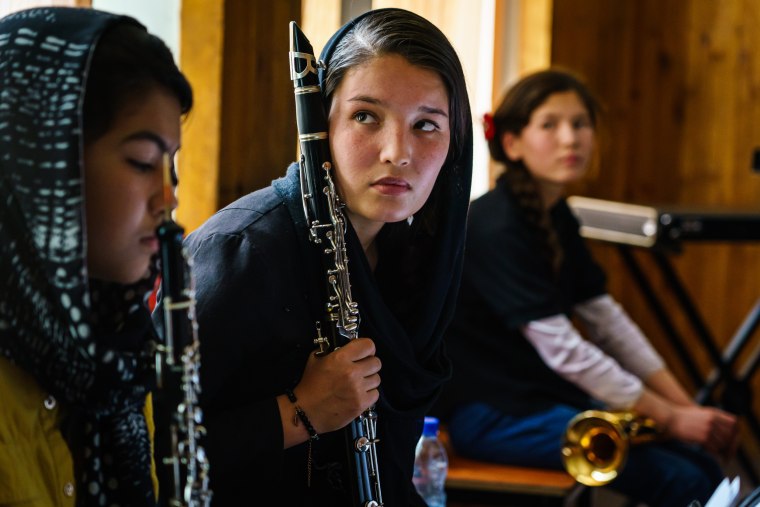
{"points": [[548, 125], [581, 123], [364, 117], [427, 126], [140, 165]]}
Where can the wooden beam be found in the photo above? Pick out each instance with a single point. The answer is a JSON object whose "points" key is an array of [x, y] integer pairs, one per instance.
{"points": [[201, 57], [535, 35], [241, 133]]}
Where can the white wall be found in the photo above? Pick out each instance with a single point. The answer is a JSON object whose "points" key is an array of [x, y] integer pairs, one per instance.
{"points": [[161, 17], [481, 90]]}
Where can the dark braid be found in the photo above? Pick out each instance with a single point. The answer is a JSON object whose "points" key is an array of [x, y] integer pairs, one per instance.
{"points": [[512, 115], [524, 188]]}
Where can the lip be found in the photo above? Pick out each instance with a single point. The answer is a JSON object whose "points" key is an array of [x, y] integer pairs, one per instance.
{"points": [[391, 186], [571, 160]]}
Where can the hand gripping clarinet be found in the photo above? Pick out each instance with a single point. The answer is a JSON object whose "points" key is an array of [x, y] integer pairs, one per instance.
{"points": [[182, 466], [327, 227]]}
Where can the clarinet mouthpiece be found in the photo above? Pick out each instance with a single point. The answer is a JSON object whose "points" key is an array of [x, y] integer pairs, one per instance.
{"points": [[303, 63]]}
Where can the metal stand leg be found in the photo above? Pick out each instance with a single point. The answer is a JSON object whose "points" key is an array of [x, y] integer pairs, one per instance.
{"points": [[730, 355], [658, 309], [737, 393]]}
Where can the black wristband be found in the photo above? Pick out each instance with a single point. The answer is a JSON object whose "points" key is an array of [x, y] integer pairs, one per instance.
{"points": [[313, 435]]}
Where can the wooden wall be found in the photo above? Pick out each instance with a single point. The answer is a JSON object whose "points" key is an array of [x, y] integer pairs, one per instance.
{"points": [[241, 133], [680, 80]]}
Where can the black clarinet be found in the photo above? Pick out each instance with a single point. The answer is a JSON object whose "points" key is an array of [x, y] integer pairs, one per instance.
{"points": [[327, 226], [182, 466]]}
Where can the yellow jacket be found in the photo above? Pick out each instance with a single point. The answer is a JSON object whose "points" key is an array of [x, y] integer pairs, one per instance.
{"points": [[36, 466]]}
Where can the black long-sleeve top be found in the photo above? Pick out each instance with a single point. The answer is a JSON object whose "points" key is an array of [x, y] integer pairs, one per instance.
{"points": [[259, 291]]}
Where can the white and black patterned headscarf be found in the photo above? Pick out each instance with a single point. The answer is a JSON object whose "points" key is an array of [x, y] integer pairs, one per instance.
{"points": [[84, 341]]}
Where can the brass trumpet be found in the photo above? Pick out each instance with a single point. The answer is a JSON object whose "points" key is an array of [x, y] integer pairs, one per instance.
{"points": [[596, 443]]}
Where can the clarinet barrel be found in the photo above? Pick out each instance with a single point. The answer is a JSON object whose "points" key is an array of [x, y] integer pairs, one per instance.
{"points": [[327, 226]]}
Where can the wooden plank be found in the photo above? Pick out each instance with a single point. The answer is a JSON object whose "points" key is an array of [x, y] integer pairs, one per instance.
{"points": [[258, 128], [241, 133], [201, 56], [476, 475]]}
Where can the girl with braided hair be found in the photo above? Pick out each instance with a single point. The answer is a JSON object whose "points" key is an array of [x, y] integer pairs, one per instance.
{"points": [[522, 370]]}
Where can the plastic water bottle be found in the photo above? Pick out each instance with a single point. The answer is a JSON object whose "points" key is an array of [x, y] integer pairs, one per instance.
{"points": [[431, 465]]}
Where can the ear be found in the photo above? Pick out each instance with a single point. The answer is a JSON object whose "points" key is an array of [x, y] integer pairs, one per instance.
{"points": [[511, 145]]}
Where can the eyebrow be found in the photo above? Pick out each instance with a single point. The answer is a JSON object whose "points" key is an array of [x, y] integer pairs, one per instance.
{"points": [[372, 100], [146, 135], [563, 114]]}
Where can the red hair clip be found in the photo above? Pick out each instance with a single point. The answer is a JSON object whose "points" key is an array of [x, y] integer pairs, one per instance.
{"points": [[488, 126]]}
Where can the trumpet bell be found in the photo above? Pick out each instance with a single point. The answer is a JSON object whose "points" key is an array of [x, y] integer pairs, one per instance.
{"points": [[595, 447]]}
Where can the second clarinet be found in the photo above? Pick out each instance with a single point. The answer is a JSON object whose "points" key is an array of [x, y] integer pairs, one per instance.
{"points": [[327, 226], [183, 469]]}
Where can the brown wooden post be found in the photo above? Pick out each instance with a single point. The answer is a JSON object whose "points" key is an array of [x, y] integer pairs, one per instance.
{"points": [[241, 133]]}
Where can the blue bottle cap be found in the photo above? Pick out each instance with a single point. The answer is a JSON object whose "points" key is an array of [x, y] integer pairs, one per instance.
{"points": [[430, 428]]}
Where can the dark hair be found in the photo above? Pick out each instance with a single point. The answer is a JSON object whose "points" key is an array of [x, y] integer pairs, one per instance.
{"points": [[421, 43], [512, 115], [127, 62]]}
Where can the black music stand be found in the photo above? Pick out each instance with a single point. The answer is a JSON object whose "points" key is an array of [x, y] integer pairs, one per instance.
{"points": [[661, 232]]}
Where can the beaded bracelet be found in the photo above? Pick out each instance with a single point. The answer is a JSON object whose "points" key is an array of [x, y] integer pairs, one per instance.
{"points": [[300, 414]]}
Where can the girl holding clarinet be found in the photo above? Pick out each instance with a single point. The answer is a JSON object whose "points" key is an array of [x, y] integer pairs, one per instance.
{"points": [[400, 135]]}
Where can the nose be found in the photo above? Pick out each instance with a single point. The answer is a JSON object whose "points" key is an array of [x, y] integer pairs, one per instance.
{"points": [[568, 134], [397, 148]]}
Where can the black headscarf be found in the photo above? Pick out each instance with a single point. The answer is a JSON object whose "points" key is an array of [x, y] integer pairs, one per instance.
{"points": [[411, 320], [83, 340]]}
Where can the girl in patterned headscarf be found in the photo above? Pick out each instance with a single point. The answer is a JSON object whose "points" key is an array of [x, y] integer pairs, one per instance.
{"points": [[89, 104]]}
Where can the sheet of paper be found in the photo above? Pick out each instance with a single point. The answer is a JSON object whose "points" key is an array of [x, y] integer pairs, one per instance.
{"points": [[725, 494]]}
